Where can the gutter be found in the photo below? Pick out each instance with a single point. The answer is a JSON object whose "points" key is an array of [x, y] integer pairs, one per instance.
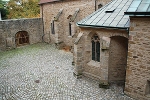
{"points": [[96, 26], [137, 13]]}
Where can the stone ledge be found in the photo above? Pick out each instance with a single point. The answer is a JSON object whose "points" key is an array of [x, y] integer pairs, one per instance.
{"points": [[92, 76], [93, 63]]}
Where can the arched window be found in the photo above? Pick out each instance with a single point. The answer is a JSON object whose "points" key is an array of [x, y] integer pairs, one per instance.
{"points": [[22, 38], [95, 48]]}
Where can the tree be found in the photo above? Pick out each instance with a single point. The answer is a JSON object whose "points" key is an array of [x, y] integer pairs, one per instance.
{"points": [[3, 9], [23, 9]]}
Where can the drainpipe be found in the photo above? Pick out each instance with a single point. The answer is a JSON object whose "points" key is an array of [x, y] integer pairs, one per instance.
{"points": [[43, 24], [127, 58], [0, 16]]}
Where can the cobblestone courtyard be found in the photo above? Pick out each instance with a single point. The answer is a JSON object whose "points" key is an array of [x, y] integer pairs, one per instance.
{"points": [[41, 72]]}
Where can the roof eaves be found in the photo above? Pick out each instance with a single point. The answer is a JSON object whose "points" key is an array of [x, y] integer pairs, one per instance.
{"points": [[97, 26], [47, 1], [137, 13], [83, 23]]}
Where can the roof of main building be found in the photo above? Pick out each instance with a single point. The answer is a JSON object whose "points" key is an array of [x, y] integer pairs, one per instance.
{"points": [[110, 16], [47, 1], [139, 8]]}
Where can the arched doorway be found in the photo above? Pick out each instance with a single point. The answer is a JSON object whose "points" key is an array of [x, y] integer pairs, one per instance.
{"points": [[22, 38], [117, 59]]}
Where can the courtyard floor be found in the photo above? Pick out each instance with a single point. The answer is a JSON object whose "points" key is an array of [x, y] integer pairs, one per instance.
{"points": [[41, 72]]}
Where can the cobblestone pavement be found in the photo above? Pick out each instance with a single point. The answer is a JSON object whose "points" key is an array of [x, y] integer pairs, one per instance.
{"points": [[41, 72]]}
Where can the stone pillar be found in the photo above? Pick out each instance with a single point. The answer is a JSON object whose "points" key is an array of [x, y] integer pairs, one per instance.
{"points": [[78, 58], [58, 35]]}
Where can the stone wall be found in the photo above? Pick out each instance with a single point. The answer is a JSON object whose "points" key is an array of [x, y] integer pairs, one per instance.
{"points": [[138, 63], [117, 58], [84, 65], [61, 25], [9, 28]]}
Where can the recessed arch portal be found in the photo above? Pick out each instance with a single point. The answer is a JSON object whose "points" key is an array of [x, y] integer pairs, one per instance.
{"points": [[118, 58], [21, 38]]}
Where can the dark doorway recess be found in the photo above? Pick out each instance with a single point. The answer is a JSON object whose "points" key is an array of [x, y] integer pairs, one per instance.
{"points": [[22, 38]]}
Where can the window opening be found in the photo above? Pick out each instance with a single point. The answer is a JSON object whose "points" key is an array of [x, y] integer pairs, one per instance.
{"points": [[52, 27], [22, 37], [70, 33], [100, 6], [95, 48], [148, 88]]}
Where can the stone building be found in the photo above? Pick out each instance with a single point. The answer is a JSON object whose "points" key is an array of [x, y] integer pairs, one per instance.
{"points": [[100, 49], [60, 17], [17, 32], [137, 83], [113, 47], [109, 45]]}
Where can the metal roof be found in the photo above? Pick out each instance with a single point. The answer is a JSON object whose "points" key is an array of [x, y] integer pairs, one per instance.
{"points": [[47, 1], [110, 16], [139, 7]]}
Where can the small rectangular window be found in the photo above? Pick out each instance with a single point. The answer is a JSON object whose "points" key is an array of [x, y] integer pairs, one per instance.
{"points": [[52, 27], [70, 29]]}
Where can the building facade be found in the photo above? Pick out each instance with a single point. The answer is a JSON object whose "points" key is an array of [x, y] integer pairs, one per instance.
{"points": [[113, 47], [137, 83], [109, 45], [138, 68], [60, 17], [100, 49]]}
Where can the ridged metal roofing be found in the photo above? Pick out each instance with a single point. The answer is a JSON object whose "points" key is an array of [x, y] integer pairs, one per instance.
{"points": [[139, 7], [110, 16]]}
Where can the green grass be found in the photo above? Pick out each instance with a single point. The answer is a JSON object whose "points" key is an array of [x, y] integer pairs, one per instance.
{"points": [[21, 50]]}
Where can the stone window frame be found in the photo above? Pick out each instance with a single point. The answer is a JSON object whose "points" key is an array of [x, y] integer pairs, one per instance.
{"points": [[95, 42], [70, 25]]}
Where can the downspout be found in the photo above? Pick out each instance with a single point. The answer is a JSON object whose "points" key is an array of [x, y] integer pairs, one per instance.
{"points": [[43, 24], [128, 30]]}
